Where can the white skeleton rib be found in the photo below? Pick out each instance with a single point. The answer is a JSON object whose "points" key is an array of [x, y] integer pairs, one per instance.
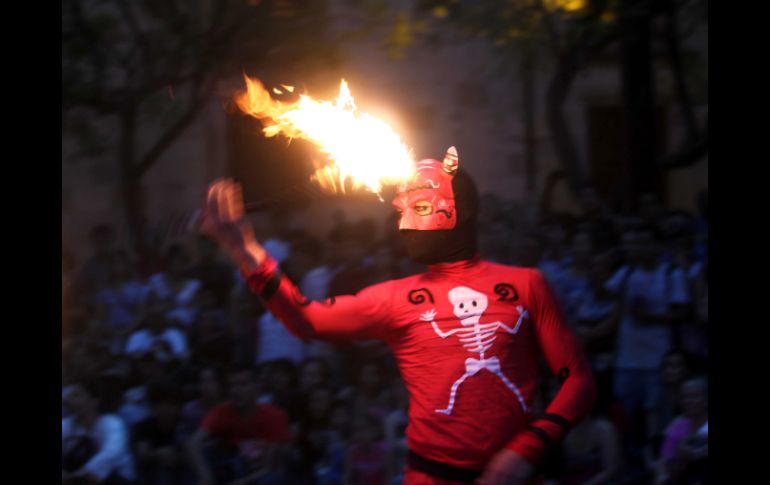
{"points": [[470, 333], [477, 338]]}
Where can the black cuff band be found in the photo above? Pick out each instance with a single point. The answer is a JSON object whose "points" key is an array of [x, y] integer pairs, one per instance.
{"points": [[272, 286], [541, 434], [556, 419]]}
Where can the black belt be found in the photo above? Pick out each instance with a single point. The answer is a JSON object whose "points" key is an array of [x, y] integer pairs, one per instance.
{"points": [[441, 470]]}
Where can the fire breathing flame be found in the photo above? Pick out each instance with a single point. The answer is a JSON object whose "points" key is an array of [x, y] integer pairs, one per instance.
{"points": [[363, 151]]}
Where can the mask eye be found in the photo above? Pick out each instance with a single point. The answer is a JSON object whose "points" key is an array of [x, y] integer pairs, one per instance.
{"points": [[423, 208], [474, 302]]}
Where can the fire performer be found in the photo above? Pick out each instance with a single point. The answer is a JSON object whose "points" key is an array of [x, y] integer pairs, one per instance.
{"points": [[467, 334]]}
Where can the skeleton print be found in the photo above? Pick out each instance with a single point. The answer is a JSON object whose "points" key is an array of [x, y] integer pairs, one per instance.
{"points": [[476, 337]]}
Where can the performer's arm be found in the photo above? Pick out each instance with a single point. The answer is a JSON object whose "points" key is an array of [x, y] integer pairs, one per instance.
{"points": [[565, 357], [350, 317], [358, 317]]}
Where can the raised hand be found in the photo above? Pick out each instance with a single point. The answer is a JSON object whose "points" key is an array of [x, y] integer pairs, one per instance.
{"points": [[428, 316], [223, 221]]}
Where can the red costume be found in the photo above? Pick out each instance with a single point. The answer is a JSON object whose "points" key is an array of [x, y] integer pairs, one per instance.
{"points": [[466, 335]]}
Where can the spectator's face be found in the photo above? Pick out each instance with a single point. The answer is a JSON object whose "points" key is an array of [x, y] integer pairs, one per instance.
{"points": [[582, 247], [555, 235], [600, 269], [674, 369], [399, 392], [365, 431], [312, 375], [636, 245], [208, 385], [280, 380], [80, 402], [694, 398], [648, 247], [320, 401], [150, 368], [368, 378], [338, 419], [243, 390], [167, 412], [208, 325]]}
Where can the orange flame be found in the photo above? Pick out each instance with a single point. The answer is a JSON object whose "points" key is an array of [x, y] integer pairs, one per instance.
{"points": [[362, 149]]}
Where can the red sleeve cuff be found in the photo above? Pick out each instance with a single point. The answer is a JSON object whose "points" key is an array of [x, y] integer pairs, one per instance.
{"points": [[534, 443], [530, 446], [258, 279]]}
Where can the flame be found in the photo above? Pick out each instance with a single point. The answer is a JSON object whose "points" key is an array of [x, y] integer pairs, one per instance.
{"points": [[362, 150]]}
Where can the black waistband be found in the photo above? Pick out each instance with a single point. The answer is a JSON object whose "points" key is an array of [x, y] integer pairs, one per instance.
{"points": [[441, 470]]}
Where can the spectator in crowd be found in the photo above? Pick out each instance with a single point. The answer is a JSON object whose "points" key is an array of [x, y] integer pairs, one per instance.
{"points": [[210, 392], [395, 430], [95, 446], [215, 276], [174, 285], [212, 340], [592, 452], [248, 438], [280, 379], [120, 302], [596, 315], [95, 272], [685, 449], [367, 459], [313, 373], [158, 441], [157, 336], [654, 296]]}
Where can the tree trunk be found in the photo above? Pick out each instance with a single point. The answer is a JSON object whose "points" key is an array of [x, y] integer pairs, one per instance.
{"points": [[642, 174], [131, 183], [568, 65], [528, 103], [563, 141]]}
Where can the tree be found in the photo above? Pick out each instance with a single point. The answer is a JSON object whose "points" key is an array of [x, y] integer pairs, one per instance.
{"points": [[573, 33], [122, 60]]}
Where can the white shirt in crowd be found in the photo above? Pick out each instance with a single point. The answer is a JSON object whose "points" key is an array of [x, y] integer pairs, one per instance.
{"points": [[111, 437]]}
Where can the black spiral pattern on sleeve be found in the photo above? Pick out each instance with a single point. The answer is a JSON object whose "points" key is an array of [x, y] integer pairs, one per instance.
{"points": [[507, 292], [418, 296]]}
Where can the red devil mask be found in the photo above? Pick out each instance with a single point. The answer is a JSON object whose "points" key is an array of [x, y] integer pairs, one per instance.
{"points": [[427, 202]]}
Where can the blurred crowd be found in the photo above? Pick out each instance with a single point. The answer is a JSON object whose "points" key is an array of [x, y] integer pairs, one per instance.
{"points": [[173, 373]]}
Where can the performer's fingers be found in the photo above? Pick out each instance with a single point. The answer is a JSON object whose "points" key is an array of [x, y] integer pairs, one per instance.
{"points": [[238, 200], [230, 202], [223, 210], [210, 207], [234, 201]]}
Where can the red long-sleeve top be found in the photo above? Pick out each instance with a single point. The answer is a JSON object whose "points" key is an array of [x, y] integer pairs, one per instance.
{"points": [[417, 318]]}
